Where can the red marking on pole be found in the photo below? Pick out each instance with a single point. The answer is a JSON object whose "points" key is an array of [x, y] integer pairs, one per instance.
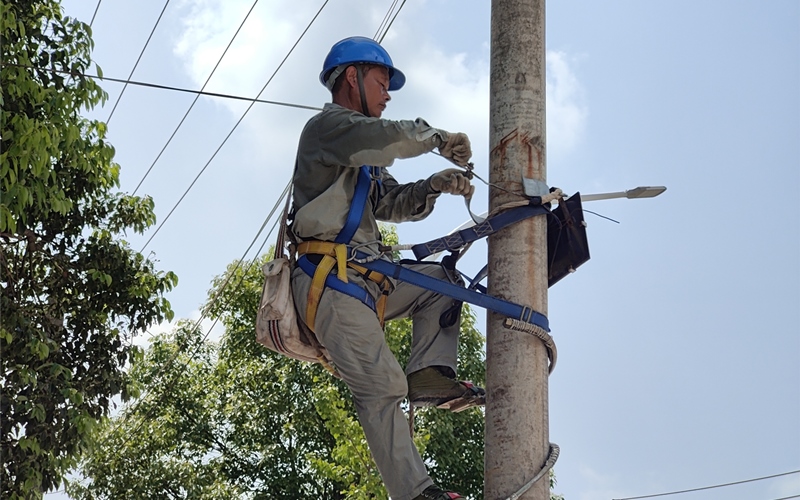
{"points": [[503, 145], [534, 145]]}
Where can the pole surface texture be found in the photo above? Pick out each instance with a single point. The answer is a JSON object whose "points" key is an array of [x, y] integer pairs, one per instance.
{"points": [[517, 430]]}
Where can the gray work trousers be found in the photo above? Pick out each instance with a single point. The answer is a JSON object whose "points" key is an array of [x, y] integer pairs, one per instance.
{"points": [[355, 341]]}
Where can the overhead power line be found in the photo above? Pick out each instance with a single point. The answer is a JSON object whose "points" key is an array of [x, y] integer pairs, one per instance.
{"points": [[712, 487], [191, 106], [280, 199], [95, 12], [230, 274], [284, 194], [235, 126], [167, 87], [210, 94], [380, 40], [286, 190], [137, 60], [385, 19]]}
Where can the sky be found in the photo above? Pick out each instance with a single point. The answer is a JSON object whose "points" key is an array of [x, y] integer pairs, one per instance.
{"points": [[678, 342]]}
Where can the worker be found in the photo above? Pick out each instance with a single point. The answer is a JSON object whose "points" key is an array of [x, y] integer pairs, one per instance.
{"points": [[347, 134]]}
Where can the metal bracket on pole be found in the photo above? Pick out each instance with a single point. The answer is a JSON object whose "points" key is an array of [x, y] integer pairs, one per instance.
{"points": [[534, 187]]}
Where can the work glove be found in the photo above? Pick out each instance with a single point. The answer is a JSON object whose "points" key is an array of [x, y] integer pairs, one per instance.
{"points": [[452, 181], [457, 149]]}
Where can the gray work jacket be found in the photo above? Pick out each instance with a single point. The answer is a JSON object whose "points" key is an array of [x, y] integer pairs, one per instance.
{"points": [[333, 145]]}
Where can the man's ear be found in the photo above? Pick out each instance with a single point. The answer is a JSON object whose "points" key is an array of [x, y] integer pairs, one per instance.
{"points": [[351, 74]]}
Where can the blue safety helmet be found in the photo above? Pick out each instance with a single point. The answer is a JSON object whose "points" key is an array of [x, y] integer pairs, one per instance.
{"points": [[359, 49]]}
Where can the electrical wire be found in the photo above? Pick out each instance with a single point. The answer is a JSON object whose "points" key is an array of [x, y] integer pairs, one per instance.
{"points": [[469, 171], [210, 94], [385, 19], [211, 303], [95, 12], [236, 125], [601, 216], [714, 486], [196, 98], [166, 87], [392, 21], [230, 274], [137, 60]]}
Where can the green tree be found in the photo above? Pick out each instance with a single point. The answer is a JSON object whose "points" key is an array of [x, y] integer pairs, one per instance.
{"points": [[72, 289], [236, 420]]}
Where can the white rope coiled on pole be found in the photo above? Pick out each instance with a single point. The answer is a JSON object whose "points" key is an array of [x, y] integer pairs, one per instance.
{"points": [[546, 338]]}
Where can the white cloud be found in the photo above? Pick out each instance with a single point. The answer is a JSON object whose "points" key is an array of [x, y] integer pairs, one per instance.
{"points": [[209, 26], [567, 113], [449, 90]]}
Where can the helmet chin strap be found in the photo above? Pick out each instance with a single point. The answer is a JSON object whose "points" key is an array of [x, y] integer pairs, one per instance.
{"points": [[360, 77]]}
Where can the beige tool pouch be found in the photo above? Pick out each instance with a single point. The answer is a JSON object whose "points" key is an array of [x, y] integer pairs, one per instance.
{"points": [[277, 325]]}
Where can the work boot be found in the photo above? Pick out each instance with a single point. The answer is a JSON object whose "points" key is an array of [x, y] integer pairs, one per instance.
{"points": [[430, 387], [436, 493]]}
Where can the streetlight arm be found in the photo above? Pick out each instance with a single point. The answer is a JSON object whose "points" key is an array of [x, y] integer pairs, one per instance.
{"points": [[638, 192]]}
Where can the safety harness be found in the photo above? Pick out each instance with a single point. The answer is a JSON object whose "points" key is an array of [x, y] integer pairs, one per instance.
{"points": [[319, 259]]}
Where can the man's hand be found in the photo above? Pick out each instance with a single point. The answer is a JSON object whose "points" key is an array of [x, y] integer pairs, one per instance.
{"points": [[457, 148], [452, 181]]}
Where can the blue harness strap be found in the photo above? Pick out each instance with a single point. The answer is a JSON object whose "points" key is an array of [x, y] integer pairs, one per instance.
{"points": [[332, 281], [354, 215], [504, 307], [457, 240], [357, 205]]}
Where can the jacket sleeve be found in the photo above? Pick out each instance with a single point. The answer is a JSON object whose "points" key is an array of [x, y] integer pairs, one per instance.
{"points": [[352, 139], [404, 202]]}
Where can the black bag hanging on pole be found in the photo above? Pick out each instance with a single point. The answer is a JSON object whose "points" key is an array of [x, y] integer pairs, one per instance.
{"points": [[567, 245]]}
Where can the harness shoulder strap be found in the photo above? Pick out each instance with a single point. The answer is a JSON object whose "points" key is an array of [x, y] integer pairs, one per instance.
{"points": [[321, 274], [357, 205]]}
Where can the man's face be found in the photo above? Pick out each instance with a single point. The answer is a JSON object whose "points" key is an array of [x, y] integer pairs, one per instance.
{"points": [[376, 89]]}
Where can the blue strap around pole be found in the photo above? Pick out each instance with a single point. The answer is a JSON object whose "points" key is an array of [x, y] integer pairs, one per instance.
{"points": [[491, 225], [504, 307]]}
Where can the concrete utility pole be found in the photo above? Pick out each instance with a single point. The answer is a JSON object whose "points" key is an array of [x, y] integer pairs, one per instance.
{"points": [[517, 430]]}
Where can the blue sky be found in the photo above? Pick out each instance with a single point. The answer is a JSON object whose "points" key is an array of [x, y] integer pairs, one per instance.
{"points": [[679, 344]]}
